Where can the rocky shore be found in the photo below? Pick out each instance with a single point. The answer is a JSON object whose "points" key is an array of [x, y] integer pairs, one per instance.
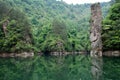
{"points": [[31, 54], [112, 53], [24, 54]]}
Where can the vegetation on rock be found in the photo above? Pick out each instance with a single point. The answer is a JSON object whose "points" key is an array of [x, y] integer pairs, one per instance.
{"points": [[15, 34]]}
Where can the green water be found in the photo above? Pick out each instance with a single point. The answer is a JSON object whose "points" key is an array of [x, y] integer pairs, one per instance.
{"points": [[56, 68]]}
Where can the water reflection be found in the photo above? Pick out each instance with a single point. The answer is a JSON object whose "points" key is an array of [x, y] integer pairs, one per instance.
{"points": [[97, 68], [75, 67], [46, 68]]}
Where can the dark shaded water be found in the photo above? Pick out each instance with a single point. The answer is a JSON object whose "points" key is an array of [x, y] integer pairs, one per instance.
{"points": [[57, 68]]}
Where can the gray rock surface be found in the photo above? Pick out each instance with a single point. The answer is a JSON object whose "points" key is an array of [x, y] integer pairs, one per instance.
{"points": [[96, 29]]}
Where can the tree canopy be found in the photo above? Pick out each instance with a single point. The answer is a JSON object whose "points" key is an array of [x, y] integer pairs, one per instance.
{"points": [[15, 34], [111, 28]]}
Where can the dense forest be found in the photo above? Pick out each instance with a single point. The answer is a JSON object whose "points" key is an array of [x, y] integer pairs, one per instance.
{"points": [[15, 33], [111, 28], [46, 25]]}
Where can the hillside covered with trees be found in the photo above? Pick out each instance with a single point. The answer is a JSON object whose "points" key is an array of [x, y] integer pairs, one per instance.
{"points": [[15, 32], [111, 28], [45, 25]]}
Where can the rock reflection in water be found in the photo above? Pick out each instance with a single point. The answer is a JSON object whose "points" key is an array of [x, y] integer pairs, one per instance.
{"points": [[96, 68]]}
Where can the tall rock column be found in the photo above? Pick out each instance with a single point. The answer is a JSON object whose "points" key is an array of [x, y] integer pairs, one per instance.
{"points": [[95, 32], [96, 42]]}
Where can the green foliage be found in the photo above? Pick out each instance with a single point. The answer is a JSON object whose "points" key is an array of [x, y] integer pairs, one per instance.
{"points": [[56, 68], [111, 65], [46, 68], [18, 35], [117, 1], [52, 21], [59, 29], [111, 29]]}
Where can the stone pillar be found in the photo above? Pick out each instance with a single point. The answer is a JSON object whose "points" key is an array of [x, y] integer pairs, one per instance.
{"points": [[96, 42], [95, 31]]}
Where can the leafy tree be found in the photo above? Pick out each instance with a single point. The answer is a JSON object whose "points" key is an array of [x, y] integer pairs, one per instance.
{"points": [[111, 29]]}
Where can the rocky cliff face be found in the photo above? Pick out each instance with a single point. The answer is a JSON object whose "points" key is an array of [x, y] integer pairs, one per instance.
{"points": [[95, 32]]}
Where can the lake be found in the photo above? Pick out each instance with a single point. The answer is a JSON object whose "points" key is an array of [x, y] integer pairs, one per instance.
{"points": [[72, 67]]}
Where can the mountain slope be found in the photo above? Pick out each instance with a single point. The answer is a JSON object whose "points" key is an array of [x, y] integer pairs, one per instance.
{"points": [[73, 20], [15, 34]]}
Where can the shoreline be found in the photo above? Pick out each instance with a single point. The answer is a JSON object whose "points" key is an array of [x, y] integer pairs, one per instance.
{"points": [[31, 54], [23, 54]]}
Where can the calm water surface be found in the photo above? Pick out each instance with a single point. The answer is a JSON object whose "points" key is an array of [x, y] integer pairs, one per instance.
{"points": [[57, 68]]}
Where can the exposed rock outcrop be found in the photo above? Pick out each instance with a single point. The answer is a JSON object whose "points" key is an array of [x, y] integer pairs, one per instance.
{"points": [[111, 53], [95, 31], [96, 42], [69, 53], [5, 27], [24, 54]]}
